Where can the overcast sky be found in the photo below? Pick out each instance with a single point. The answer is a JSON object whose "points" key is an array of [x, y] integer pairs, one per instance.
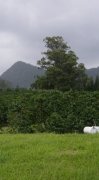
{"points": [[25, 23]]}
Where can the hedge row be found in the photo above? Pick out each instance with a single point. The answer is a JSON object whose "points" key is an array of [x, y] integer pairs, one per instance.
{"points": [[51, 111]]}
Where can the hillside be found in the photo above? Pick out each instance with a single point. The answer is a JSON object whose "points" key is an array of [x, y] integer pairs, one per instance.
{"points": [[4, 84], [22, 74], [93, 72]]}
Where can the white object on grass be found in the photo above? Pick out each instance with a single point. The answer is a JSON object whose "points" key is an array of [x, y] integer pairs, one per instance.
{"points": [[91, 130]]}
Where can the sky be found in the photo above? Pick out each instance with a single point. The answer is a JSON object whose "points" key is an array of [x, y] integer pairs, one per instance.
{"points": [[25, 23]]}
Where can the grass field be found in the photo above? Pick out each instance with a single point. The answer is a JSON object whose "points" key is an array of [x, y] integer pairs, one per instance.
{"points": [[49, 157]]}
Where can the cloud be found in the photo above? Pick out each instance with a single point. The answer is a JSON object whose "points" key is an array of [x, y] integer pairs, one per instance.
{"points": [[24, 24]]}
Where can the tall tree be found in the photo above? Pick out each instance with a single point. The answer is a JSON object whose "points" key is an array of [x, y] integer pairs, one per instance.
{"points": [[62, 69], [90, 84], [96, 84]]}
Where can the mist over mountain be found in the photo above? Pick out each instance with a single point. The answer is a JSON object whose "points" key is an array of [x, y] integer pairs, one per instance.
{"points": [[22, 74]]}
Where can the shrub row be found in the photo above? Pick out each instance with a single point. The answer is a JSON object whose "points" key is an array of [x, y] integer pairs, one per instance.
{"points": [[51, 111]]}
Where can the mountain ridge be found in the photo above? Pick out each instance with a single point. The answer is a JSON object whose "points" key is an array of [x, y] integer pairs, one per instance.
{"points": [[93, 72], [22, 74]]}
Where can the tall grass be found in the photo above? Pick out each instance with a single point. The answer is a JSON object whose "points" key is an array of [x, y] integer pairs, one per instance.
{"points": [[49, 157]]}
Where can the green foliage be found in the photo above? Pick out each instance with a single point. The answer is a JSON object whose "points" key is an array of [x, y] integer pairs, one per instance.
{"points": [[62, 69], [35, 128], [19, 117], [55, 123], [55, 111], [3, 112], [7, 130], [90, 85], [96, 84]]}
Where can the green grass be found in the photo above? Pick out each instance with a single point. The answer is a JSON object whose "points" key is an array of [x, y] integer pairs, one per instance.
{"points": [[49, 157]]}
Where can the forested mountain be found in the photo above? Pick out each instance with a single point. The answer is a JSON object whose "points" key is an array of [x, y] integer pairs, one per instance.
{"points": [[22, 74], [4, 84]]}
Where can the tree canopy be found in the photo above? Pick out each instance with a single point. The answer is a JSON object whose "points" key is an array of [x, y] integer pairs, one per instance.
{"points": [[63, 72]]}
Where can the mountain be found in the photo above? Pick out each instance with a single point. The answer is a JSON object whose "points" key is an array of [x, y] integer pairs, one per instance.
{"points": [[4, 84], [93, 72], [22, 74]]}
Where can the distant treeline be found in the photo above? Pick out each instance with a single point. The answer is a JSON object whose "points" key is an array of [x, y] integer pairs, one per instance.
{"points": [[27, 111], [91, 85]]}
